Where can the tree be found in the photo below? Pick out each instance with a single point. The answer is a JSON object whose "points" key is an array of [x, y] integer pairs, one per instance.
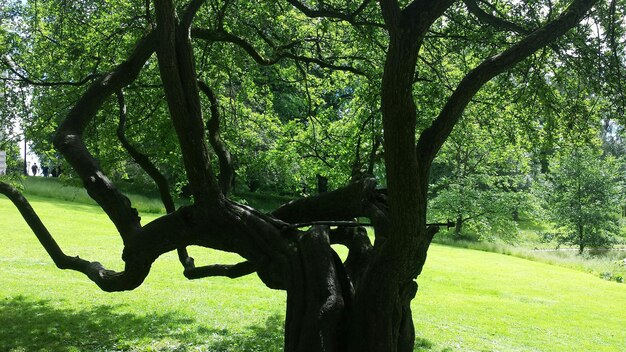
{"points": [[480, 181], [362, 304], [583, 197]]}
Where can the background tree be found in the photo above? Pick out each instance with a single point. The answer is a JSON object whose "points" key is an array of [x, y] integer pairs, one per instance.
{"points": [[583, 195], [481, 183]]}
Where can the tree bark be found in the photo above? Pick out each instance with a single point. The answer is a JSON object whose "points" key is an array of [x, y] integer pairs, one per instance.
{"points": [[458, 226], [317, 296], [581, 239]]}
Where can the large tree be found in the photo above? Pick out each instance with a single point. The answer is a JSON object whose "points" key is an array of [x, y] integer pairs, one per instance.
{"points": [[363, 303]]}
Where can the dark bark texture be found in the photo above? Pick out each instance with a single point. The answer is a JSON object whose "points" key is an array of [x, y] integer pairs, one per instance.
{"points": [[359, 305]]}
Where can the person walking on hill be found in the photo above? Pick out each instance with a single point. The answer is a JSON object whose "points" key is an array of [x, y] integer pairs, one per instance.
{"points": [[34, 169]]}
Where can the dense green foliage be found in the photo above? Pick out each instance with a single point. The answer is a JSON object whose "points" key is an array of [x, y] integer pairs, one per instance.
{"points": [[285, 123], [583, 195], [482, 185]]}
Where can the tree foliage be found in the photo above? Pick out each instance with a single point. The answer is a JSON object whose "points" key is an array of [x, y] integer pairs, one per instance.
{"points": [[584, 194], [481, 182]]}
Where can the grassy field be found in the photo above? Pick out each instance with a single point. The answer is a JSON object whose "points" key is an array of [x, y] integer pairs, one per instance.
{"points": [[468, 300], [71, 190], [608, 265]]}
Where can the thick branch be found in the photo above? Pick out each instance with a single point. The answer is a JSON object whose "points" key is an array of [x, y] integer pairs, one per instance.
{"points": [[433, 137], [176, 65], [353, 201]]}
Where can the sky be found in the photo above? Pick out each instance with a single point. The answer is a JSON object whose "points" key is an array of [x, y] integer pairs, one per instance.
{"points": [[30, 157]]}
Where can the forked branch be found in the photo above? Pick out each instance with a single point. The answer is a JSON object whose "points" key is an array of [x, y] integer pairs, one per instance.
{"points": [[144, 162], [177, 69]]}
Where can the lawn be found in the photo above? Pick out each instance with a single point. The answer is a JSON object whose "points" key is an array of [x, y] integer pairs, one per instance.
{"points": [[468, 300]]}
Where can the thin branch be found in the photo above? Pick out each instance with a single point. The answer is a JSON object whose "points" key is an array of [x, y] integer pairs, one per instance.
{"points": [[141, 159], [23, 78], [227, 173], [329, 223], [279, 54], [448, 224], [231, 271]]}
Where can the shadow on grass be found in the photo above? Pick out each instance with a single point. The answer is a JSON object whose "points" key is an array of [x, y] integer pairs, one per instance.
{"points": [[29, 325]]}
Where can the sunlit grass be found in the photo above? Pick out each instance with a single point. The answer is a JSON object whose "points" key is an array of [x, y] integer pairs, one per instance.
{"points": [[44, 308], [479, 301], [70, 190], [610, 266], [468, 300]]}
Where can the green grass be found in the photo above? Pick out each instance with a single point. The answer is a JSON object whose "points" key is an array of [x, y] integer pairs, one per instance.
{"points": [[44, 308], [475, 301], [468, 300], [610, 266], [71, 190]]}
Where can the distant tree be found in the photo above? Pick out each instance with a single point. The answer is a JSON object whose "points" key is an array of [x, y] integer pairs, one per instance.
{"points": [[480, 182], [583, 195]]}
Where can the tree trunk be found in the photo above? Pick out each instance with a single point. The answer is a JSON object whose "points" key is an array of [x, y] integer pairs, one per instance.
{"points": [[381, 320], [322, 184], [317, 297], [581, 239], [458, 227]]}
